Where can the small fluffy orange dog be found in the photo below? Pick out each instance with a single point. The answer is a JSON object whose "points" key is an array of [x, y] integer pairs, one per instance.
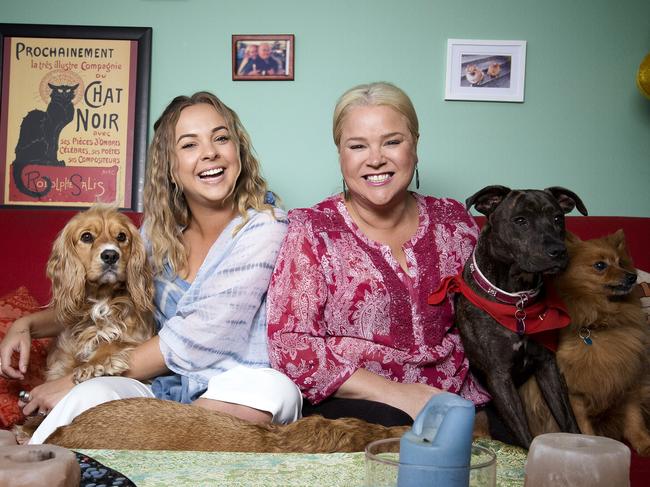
{"points": [[493, 70], [102, 293], [473, 74], [603, 354]]}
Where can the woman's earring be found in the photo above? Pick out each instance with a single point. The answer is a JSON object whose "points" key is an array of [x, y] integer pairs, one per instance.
{"points": [[345, 191], [417, 178]]}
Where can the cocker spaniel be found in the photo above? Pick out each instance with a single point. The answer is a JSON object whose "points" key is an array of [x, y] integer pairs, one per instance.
{"points": [[102, 293]]}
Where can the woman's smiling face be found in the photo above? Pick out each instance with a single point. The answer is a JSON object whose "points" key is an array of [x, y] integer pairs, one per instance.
{"points": [[378, 154], [207, 164]]}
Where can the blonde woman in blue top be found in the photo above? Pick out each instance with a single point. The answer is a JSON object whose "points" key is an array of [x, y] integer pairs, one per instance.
{"points": [[213, 236]]}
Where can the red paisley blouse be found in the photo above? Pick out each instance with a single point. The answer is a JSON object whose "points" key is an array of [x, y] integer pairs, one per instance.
{"points": [[339, 301]]}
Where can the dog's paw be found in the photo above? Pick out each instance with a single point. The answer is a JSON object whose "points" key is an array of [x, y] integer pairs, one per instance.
{"points": [[85, 372], [99, 371], [115, 365]]}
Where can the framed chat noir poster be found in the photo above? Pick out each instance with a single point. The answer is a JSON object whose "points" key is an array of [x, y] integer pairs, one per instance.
{"points": [[74, 104]]}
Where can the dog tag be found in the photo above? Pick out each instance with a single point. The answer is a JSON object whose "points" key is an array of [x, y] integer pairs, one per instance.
{"points": [[520, 316], [585, 334]]}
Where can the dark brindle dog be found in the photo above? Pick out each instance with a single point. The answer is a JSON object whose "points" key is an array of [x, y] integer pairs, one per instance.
{"points": [[522, 240]]}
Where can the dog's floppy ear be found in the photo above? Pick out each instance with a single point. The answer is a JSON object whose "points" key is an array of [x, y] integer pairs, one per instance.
{"points": [[67, 273], [139, 278], [486, 200], [567, 199]]}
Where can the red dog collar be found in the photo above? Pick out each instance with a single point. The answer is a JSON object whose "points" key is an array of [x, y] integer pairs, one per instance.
{"points": [[541, 319]]}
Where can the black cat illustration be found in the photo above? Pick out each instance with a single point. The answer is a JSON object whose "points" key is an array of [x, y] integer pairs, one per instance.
{"points": [[38, 142]]}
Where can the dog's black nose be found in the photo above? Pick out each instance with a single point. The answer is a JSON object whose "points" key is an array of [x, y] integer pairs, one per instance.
{"points": [[556, 251], [630, 278], [109, 256]]}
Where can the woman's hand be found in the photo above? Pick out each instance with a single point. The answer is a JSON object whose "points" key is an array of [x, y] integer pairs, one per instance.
{"points": [[43, 398], [18, 339]]}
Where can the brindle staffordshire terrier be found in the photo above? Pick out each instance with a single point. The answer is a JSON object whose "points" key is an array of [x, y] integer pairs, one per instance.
{"points": [[522, 240]]}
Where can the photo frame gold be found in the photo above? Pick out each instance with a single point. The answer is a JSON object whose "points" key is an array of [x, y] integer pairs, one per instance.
{"points": [[263, 57]]}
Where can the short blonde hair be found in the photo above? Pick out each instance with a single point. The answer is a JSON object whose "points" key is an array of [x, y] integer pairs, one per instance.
{"points": [[375, 94], [166, 211]]}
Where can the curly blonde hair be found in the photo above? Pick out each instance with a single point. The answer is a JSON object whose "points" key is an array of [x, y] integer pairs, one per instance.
{"points": [[166, 212]]}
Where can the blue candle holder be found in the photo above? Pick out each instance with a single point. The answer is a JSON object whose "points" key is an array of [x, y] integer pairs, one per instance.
{"points": [[437, 449]]}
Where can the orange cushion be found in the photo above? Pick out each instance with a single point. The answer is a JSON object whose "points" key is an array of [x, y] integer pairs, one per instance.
{"points": [[12, 306]]}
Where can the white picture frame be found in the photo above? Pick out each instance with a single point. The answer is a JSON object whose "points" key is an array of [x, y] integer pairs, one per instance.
{"points": [[484, 70]]}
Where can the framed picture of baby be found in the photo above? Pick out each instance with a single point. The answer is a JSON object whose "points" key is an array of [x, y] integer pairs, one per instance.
{"points": [[262, 57], [485, 70]]}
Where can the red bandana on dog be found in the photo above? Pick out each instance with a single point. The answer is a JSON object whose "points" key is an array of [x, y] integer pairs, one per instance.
{"points": [[542, 318]]}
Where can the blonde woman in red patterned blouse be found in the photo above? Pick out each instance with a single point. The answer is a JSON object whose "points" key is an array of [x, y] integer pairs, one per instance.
{"points": [[348, 319]]}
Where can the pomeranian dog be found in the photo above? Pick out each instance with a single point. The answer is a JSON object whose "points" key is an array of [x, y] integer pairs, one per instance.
{"points": [[493, 70], [473, 74], [603, 353]]}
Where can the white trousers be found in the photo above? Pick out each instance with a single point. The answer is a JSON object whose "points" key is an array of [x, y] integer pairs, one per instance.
{"points": [[264, 389]]}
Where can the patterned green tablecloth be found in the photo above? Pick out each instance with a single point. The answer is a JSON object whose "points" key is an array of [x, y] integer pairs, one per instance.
{"points": [[185, 469]]}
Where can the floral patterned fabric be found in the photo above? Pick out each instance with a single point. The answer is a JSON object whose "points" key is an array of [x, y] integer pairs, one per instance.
{"points": [[12, 306], [339, 301]]}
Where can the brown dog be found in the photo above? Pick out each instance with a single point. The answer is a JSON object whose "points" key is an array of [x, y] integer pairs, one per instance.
{"points": [[102, 293], [153, 424], [502, 311], [494, 70], [473, 74], [603, 354]]}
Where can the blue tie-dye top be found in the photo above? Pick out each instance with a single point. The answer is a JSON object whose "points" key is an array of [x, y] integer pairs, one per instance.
{"points": [[218, 321]]}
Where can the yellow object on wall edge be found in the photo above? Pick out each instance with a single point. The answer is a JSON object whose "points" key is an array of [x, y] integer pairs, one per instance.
{"points": [[643, 77]]}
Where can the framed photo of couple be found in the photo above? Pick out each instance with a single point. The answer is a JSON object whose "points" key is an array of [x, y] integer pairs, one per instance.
{"points": [[262, 57], [485, 70]]}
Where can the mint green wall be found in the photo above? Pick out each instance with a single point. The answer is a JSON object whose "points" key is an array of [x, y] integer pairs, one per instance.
{"points": [[583, 125]]}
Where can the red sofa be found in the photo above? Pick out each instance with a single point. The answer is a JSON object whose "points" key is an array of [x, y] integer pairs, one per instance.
{"points": [[27, 237]]}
